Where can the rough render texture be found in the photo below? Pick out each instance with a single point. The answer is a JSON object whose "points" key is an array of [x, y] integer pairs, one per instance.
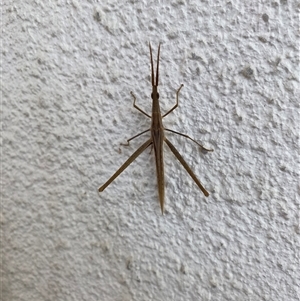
{"points": [[68, 70]]}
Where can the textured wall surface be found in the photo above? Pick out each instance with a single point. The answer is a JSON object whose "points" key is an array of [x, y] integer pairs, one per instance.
{"points": [[68, 69]]}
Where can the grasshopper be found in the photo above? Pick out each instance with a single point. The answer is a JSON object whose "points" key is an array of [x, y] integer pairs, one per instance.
{"points": [[157, 139]]}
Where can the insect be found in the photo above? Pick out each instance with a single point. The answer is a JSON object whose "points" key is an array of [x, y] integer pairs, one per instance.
{"points": [[157, 139]]}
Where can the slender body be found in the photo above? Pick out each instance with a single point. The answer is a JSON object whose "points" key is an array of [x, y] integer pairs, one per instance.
{"points": [[157, 133], [157, 139]]}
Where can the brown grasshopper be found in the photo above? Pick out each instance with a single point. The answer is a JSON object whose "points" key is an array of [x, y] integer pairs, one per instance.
{"points": [[157, 139]]}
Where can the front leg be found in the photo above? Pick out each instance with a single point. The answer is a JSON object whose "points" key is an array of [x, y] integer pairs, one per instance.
{"points": [[177, 94], [134, 99]]}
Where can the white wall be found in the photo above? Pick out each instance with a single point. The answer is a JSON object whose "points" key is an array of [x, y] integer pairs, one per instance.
{"points": [[68, 70]]}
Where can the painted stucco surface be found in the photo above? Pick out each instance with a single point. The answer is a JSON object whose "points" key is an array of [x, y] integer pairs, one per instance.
{"points": [[67, 71]]}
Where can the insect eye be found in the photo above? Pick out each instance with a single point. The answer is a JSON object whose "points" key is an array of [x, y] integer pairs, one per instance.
{"points": [[157, 95]]}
